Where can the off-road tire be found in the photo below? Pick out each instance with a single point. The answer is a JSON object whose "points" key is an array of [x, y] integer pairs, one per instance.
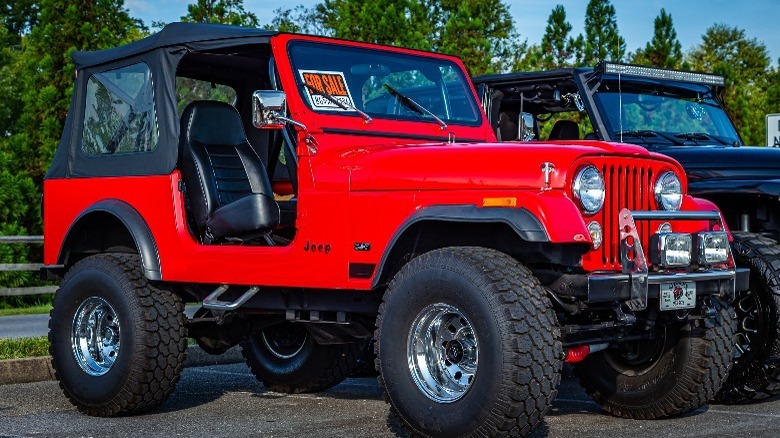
{"points": [[756, 372], [692, 362], [153, 337], [518, 342], [313, 368]]}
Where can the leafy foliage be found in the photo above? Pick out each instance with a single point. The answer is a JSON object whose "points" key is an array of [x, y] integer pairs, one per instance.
{"points": [[220, 11], [602, 40], [558, 47], [664, 50], [745, 63], [481, 32]]}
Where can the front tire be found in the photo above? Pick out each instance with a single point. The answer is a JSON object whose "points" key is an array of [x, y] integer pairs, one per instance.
{"points": [[117, 341], [675, 373], [756, 372], [287, 359], [467, 344]]}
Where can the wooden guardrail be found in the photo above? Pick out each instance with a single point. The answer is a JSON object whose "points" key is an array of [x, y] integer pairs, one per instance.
{"points": [[5, 267]]}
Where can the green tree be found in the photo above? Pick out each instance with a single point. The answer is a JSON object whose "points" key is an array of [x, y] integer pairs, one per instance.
{"points": [[63, 26], [557, 45], [481, 32], [299, 19], [220, 11], [602, 40], [18, 17], [745, 63], [392, 22], [664, 50], [10, 92]]}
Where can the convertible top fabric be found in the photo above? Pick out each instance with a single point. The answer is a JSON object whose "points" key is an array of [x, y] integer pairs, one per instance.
{"points": [[161, 52], [195, 36]]}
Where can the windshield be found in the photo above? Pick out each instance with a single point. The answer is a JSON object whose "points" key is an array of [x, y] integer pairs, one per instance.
{"points": [[366, 78], [659, 115]]}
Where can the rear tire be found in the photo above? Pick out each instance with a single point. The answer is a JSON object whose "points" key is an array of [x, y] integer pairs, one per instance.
{"points": [[756, 372], [467, 344], [133, 361], [286, 358], [679, 371]]}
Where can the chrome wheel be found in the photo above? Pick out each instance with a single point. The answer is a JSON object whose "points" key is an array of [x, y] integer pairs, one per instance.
{"points": [[285, 344], [442, 353], [95, 336]]}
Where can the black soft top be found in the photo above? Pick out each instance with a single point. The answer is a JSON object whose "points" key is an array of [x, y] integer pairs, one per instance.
{"points": [[192, 35], [161, 54]]}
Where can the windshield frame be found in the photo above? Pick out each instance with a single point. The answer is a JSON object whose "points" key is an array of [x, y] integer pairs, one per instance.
{"points": [[468, 92]]}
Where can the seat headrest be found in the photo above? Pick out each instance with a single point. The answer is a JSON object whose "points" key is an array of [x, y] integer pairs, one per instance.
{"points": [[213, 123], [565, 130]]}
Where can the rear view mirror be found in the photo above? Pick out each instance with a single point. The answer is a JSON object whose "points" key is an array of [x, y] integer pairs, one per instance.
{"points": [[370, 70], [268, 109]]}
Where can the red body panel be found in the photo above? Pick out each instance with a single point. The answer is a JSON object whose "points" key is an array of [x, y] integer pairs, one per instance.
{"points": [[357, 188]]}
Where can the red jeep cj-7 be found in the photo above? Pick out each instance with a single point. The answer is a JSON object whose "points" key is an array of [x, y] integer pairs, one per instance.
{"points": [[359, 198]]}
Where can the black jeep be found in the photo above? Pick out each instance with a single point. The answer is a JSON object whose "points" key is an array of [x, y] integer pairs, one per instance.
{"points": [[681, 114]]}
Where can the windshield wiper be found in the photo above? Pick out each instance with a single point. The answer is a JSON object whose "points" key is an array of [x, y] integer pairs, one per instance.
{"points": [[338, 103], [414, 106], [645, 133], [699, 136]]}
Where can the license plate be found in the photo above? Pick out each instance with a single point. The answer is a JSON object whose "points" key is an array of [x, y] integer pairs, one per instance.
{"points": [[678, 295]]}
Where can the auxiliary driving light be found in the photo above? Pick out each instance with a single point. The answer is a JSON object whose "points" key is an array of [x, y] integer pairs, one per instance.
{"points": [[713, 247], [671, 249]]}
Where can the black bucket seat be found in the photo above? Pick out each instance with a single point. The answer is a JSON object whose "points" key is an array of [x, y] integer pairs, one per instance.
{"points": [[230, 196]]}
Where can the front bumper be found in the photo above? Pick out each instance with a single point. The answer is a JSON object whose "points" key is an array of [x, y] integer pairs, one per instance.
{"points": [[603, 288], [635, 285]]}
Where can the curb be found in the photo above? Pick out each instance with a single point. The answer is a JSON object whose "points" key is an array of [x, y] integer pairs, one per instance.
{"points": [[39, 369]]}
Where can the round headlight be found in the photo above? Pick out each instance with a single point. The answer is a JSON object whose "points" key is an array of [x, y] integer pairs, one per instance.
{"points": [[668, 191], [589, 189]]}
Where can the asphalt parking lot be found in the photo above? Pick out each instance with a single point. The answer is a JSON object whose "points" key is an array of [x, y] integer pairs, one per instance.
{"points": [[226, 400]]}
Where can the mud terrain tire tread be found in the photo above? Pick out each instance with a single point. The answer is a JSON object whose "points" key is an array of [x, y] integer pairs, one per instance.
{"points": [[760, 378], [532, 358], [711, 352], [326, 367], [160, 344]]}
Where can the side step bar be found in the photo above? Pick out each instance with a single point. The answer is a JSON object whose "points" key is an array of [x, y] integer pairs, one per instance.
{"points": [[212, 301]]}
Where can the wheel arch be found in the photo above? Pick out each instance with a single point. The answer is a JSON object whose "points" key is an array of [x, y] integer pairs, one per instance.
{"points": [[515, 231], [115, 226]]}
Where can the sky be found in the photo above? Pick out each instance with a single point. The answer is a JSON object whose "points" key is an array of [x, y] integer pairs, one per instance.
{"points": [[759, 18]]}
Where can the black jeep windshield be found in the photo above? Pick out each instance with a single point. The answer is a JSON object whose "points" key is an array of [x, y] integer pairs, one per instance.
{"points": [[648, 115], [362, 78]]}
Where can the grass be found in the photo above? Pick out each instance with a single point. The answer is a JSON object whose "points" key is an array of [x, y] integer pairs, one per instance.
{"points": [[26, 347], [31, 310]]}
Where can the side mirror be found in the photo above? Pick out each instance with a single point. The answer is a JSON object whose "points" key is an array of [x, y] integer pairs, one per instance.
{"points": [[526, 127], [269, 109]]}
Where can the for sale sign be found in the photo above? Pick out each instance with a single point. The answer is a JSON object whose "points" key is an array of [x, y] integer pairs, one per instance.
{"points": [[773, 130]]}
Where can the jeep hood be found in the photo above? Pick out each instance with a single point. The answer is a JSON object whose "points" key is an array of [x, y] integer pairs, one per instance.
{"points": [[724, 169], [439, 166]]}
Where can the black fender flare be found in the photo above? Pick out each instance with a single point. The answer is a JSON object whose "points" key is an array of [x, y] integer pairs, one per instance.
{"points": [[135, 225], [527, 226]]}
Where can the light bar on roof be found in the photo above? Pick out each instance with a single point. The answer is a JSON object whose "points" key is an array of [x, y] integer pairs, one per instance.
{"points": [[661, 73]]}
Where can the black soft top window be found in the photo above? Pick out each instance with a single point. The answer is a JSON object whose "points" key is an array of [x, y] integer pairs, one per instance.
{"points": [[120, 116], [357, 76]]}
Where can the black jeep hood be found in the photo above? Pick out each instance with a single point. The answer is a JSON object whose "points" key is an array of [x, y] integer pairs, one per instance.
{"points": [[725, 169]]}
